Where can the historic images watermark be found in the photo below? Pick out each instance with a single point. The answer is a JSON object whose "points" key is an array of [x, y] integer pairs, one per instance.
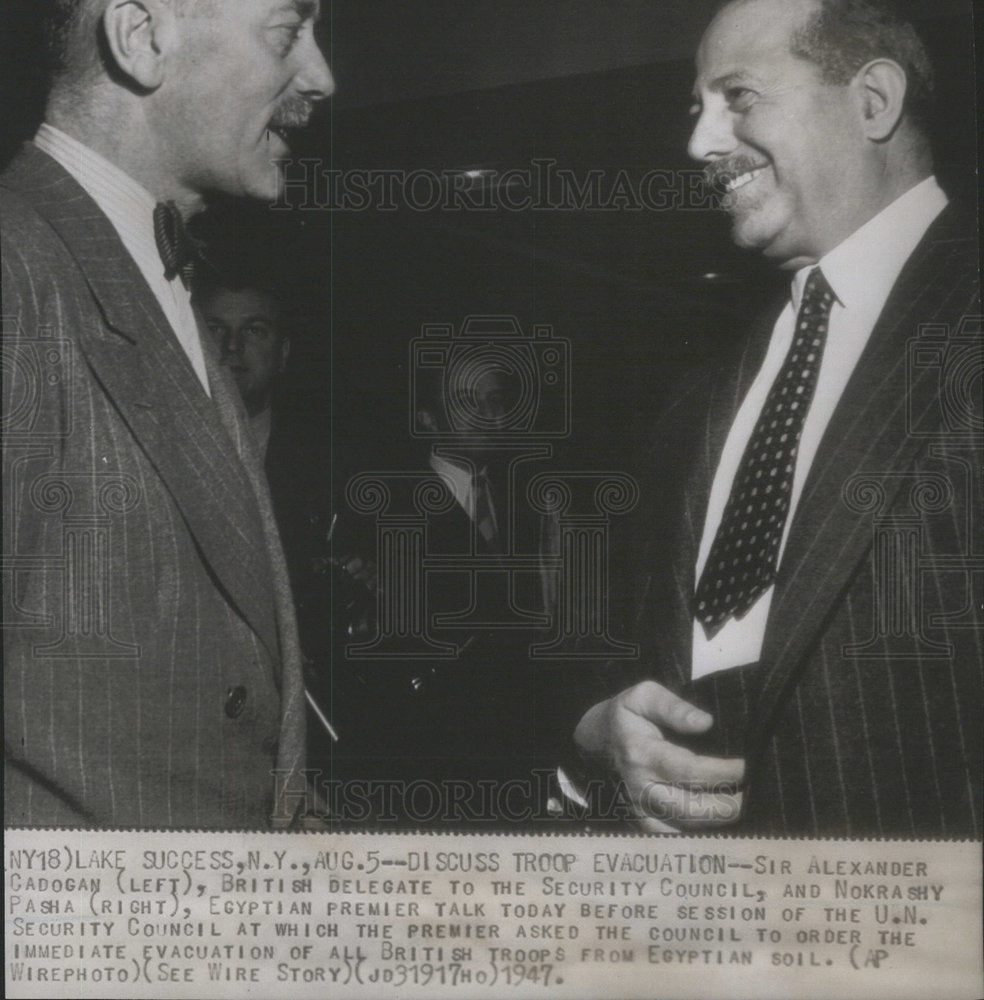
{"points": [[543, 185], [490, 400], [529, 801], [927, 519]]}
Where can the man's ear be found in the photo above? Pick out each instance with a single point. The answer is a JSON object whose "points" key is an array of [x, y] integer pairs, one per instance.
{"points": [[284, 353], [883, 86], [138, 36]]}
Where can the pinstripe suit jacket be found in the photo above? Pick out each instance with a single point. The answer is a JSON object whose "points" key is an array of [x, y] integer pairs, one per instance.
{"points": [[151, 671], [863, 716]]}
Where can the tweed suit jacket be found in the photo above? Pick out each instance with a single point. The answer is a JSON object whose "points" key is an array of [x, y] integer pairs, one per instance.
{"points": [[151, 672], [863, 715]]}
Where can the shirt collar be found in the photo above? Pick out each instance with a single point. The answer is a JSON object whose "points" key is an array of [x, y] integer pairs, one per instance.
{"points": [[863, 268], [129, 205], [457, 478]]}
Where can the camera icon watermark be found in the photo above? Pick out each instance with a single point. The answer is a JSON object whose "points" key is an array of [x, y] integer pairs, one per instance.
{"points": [[490, 379], [60, 521], [945, 381], [925, 564], [477, 541], [37, 385]]}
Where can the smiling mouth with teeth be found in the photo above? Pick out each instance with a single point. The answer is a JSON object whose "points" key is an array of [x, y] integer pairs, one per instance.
{"points": [[732, 183]]}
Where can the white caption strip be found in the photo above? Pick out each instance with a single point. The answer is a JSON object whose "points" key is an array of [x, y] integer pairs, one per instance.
{"points": [[310, 915]]}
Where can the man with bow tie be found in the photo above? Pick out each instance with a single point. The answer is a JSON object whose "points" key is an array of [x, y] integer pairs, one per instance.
{"points": [[152, 671], [810, 599]]}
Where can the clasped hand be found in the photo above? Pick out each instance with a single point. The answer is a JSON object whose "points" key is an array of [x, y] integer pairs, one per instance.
{"points": [[670, 787]]}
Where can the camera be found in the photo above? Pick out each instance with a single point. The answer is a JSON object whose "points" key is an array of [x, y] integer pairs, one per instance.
{"points": [[490, 379], [957, 356], [35, 370]]}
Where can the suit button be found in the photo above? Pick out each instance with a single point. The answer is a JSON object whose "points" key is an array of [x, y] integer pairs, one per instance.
{"points": [[235, 703]]}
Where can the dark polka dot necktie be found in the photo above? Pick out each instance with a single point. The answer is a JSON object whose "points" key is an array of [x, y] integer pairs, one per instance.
{"points": [[743, 560]]}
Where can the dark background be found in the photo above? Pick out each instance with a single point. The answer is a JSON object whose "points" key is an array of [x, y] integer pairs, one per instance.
{"points": [[493, 84]]}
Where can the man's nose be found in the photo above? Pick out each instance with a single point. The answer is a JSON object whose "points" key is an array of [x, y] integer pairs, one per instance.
{"points": [[713, 135], [314, 79], [232, 344]]}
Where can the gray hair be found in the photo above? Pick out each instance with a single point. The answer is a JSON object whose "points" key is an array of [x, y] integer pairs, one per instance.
{"points": [[74, 45], [71, 36], [841, 36]]}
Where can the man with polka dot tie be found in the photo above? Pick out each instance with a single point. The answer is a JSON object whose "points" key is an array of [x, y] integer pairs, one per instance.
{"points": [[811, 632]]}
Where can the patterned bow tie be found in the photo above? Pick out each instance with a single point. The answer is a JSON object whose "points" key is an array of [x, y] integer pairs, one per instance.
{"points": [[180, 251]]}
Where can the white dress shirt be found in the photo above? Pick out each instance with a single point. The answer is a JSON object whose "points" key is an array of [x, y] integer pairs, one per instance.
{"points": [[463, 487], [861, 272], [130, 209]]}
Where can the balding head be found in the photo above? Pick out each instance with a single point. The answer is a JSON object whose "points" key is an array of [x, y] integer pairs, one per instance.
{"points": [[74, 42], [187, 96], [841, 36]]}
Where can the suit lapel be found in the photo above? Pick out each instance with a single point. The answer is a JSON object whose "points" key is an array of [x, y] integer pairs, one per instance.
{"points": [[292, 744], [148, 377], [868, 432]]}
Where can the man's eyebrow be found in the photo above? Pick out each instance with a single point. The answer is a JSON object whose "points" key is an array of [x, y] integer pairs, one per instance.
{"points": [[721, 83], [305, 9], [737, 76]]}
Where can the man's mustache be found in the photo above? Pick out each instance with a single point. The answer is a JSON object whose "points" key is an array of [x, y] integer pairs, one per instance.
{"points": [[717, 174], [294, 112]]}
